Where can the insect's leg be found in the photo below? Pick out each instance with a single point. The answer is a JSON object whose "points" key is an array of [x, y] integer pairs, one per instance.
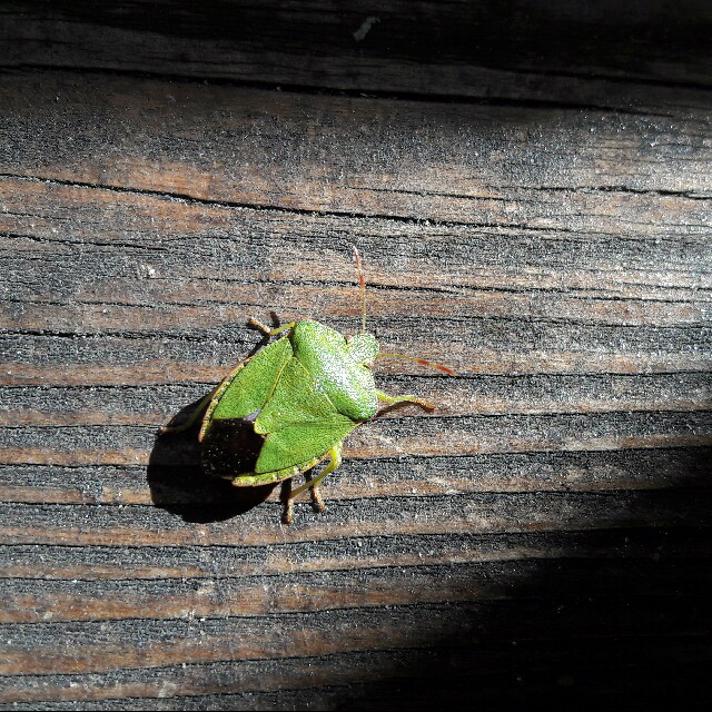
{"points": [[284, 327], [188, 423], [317, 501], [335, 455], [397, 400], [287, 502], [259, 326], [266, 330]]}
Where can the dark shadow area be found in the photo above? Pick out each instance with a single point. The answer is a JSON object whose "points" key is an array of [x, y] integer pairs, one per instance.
{"points": [[629, 627], [185, 476], [603, 38], [190, 478]]}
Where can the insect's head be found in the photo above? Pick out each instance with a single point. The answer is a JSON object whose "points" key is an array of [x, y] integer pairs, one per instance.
{"points": [[363, 348]]}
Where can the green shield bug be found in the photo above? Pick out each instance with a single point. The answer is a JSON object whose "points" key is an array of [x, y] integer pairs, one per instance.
{"points": [[291, 405]]}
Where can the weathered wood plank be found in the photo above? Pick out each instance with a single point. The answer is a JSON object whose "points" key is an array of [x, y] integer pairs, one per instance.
{"points": [[203, 561], [478, 395], [349, 679], [102, 646], [514, 329], [546, 231], [38, 601], [482, 513], [392, 437], [651, 54], [587, 471], [264, 150]]}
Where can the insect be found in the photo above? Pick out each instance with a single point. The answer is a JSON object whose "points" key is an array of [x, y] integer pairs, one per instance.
{"points": [[290, 406]]}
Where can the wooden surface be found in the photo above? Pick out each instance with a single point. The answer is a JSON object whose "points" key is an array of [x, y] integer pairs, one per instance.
{"points": [[534, 207]]}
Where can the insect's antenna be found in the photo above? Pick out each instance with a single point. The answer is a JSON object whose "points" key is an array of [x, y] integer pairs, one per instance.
{"points": [[420, 361], [361, 287]]}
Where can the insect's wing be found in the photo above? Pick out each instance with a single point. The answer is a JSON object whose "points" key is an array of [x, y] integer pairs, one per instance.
{"points": [[300, 422], [249, 386], [300, 443]]}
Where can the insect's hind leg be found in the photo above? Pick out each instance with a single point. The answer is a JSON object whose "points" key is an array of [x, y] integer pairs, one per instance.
{"points": [[316, 498], [190, 421], [287, 502], [335, 455], [396, 401]]}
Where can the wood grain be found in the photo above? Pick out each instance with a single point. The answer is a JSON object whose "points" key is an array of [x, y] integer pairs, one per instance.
{"points": [[534, 208], [652, 54]]}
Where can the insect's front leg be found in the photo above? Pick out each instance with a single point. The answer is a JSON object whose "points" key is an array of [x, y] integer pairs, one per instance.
{"points": [[266, 330], [403, 400]]}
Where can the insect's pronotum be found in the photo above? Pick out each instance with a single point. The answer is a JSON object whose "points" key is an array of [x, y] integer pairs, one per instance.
{"points": [[295, 401]]}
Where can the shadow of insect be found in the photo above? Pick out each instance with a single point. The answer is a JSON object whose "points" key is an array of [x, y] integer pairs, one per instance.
{"points": [[179, 481], [180, 484]]}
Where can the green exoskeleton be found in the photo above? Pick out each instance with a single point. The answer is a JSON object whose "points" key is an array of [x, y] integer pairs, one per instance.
{"points": [[296, 400]]}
